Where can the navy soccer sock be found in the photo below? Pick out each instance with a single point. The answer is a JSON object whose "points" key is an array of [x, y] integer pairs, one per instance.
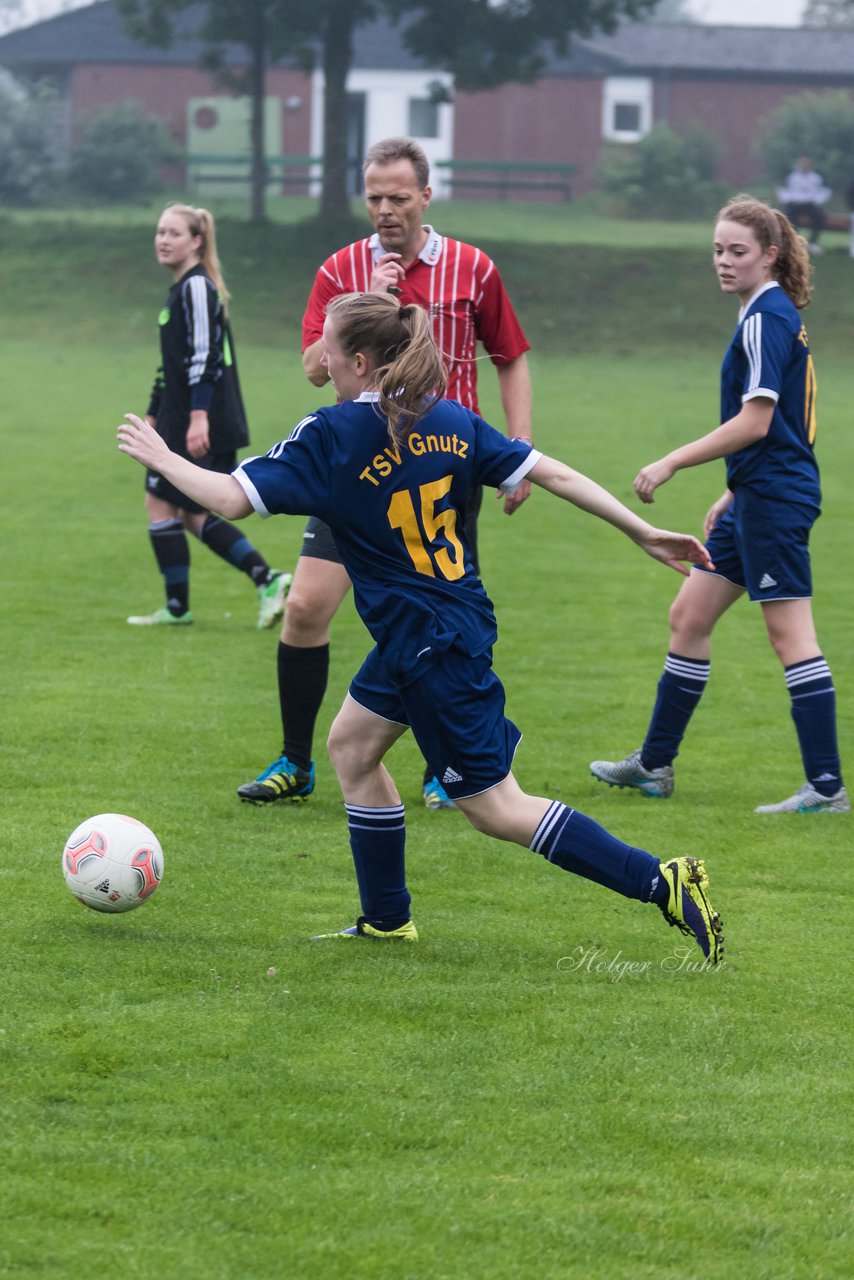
{"points": [[378, 842], [813, 696], [235, 547], [303, 675], [172, 553], [578, 844], [679, 691]]}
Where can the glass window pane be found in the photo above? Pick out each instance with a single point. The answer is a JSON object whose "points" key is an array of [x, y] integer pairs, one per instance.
{"points": [[423, 118]]}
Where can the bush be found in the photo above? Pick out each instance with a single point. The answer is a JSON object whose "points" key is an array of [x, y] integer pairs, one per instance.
{"points": [[819, 125], [28, 165], [122, 154], [665, 175]]}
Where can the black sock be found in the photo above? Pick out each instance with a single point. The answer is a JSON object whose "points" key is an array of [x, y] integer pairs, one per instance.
{"points": [[172, 553], [303, 675], [228, 542]]}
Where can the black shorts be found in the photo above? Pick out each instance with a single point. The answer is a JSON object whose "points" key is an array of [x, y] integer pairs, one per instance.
{"points": [[319, 544], [158, 487]]}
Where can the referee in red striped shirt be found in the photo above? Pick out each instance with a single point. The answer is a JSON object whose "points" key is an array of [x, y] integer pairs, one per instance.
{"points": [[461, 289]]}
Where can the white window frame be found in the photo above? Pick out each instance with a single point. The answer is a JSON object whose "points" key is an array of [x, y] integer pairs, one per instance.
{"points": [[634, 91]]}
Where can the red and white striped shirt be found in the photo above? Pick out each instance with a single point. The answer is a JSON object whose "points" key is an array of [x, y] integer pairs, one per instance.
{"points": [[458, 285]]}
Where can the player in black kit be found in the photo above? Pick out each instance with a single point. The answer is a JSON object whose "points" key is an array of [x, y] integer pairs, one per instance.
{"points": [[197, 409]]}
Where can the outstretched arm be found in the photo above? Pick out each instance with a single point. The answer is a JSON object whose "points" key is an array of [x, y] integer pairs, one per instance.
{"points": [[212, 489], [750, 424], [670, 548], [514, 386]]}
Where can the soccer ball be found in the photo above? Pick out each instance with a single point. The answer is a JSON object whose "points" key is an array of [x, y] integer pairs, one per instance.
{"points": [[112, 863]]}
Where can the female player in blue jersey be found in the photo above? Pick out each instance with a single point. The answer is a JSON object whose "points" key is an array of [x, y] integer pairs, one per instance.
{"points": [[758, 531], [389, 468]]}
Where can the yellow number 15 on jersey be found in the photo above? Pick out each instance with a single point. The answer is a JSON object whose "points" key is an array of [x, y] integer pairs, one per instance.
{"points": [[426, 555]]}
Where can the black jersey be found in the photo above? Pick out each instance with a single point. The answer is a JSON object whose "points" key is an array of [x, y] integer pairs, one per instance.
{"points": [[198, 368]]}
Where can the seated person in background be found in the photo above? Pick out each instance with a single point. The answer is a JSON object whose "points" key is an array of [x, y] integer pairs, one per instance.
{"points": [[849, 203], [803, 196]]}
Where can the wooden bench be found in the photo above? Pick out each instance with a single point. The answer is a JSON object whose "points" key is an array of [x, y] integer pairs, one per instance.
{"points": [[503, 176], [832, 222], [281, 170], [497, 177]]}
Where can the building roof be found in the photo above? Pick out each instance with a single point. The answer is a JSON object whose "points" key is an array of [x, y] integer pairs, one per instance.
{"points": [[96, 34], [693, 48]]}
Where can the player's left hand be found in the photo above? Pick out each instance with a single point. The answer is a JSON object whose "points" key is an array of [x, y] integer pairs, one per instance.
{"points": [[514, 500], [674, 548], [649, 478], [198, 434], [139, 440]]}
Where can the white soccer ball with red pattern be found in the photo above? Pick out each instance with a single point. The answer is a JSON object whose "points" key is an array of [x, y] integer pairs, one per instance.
{"points": [[112, 862]]}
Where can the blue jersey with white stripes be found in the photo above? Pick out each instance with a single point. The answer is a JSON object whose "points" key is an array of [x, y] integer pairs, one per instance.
{"points": [[397, 516], [770, 356]]}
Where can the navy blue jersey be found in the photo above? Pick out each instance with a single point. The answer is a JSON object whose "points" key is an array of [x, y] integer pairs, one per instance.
{"points": [[397, 517], [770, 356], [198, 368]]}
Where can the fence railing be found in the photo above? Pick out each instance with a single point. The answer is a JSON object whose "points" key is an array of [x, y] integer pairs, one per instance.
{"points": [[495, 178]]}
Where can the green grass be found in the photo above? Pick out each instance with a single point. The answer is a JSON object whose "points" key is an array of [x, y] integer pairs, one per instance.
{"points": [[195, 1090]]}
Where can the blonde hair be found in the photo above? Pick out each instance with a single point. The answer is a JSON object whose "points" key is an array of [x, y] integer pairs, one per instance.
{"points": [[201, 223], [793, 267], [410, 372]]}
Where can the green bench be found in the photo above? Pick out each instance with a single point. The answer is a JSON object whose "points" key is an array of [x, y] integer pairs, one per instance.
{"points": [[499, 177], [505, 176], [280, 169]]}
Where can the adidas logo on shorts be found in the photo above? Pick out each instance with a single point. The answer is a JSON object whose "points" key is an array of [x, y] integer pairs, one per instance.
{"points": [[766, 581], [450, 776]]}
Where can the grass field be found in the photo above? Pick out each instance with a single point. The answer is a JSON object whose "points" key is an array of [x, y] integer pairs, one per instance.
{"points": [[195, 1091]]}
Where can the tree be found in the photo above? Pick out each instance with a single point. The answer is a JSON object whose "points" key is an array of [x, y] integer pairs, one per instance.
{"points": [[480, 42], [664, 175], [265, 28], [818, 125], [122, 153], [829, 13], [28, 165], [673, 11]]}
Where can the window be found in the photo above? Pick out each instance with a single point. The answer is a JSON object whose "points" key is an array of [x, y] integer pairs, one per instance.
{"points": [[627, 117], [423, 118], [626, 108]]}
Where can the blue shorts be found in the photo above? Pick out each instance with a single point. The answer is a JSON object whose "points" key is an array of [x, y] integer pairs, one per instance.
{"points": [[762, 544], [455, 709]]}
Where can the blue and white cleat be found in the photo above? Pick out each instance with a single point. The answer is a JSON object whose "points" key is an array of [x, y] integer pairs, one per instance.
{"points": [[658, 783], [435, 796], [281, 780], [808, 800]]}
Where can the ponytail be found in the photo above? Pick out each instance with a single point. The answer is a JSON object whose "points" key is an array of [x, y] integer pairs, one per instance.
{"points": [[410, 372], [793, 267]]}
